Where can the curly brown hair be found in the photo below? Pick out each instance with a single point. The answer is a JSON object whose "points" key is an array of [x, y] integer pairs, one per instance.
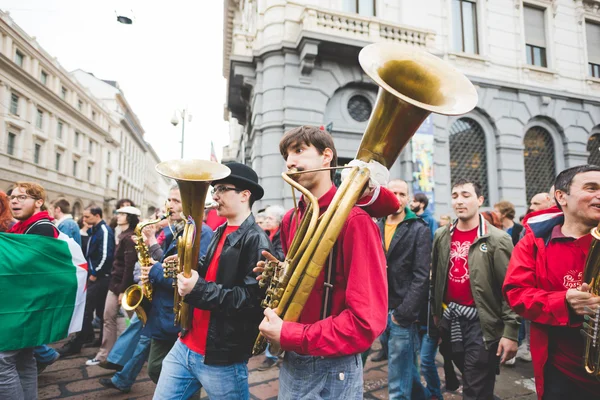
{"points": [[5, 214]]}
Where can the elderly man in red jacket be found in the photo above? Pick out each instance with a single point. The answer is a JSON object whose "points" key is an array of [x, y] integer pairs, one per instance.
{"points": [[347, 308], [544, 284]]}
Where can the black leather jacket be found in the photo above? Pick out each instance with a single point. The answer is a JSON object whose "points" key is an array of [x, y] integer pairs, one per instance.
{"points": [[234, 299]]}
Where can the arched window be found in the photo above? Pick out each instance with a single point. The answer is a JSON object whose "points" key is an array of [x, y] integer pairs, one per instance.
{"points": [[593, 147], [468, 156], [76, 210], [540, 167]]}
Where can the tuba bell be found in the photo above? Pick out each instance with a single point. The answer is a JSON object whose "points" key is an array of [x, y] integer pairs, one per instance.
{"points": [[193, 178], [412, 84], [591, 326]]}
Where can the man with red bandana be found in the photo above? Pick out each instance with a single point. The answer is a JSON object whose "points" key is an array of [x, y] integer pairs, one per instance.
{"points": [[544, 284]]}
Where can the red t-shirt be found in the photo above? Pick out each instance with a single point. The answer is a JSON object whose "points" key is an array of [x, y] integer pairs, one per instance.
{"points": [[566, 258], [459, 282], [195, 340]]}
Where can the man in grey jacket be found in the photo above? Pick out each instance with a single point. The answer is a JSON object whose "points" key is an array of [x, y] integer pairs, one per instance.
{"points": [[469, 262], [406, 241]]}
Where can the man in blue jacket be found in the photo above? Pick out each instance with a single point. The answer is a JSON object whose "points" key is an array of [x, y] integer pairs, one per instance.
{"points": [[419, 206], [61, 211], [99, 254]]}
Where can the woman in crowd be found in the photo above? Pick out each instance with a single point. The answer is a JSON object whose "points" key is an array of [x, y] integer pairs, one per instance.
{"points": [[6, 218]]}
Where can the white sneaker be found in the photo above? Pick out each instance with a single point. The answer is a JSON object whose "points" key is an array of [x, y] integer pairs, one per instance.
{"points": [[523, 353], [93, 361], [511, 361]]}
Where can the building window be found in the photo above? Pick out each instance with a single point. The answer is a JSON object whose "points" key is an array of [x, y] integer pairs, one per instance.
{"points": [[593, 147], [535, 36], [12, 139], [19, 58], [44, 78], [90, 146], [468, 154], [108, 158], [39, 121], [89, 174], [75, 168], [14, 104], [464, 25], [59, 130], [539, 161], [57, 161], [80, 105], [108, 179], [36, 153], [359, 108], [362, 7], [63, 93], [592, 31], [77, 134], [93, 115]]}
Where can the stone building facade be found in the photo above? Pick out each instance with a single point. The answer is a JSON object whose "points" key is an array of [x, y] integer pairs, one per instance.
{"points": [[55, 131], [535, 65]]}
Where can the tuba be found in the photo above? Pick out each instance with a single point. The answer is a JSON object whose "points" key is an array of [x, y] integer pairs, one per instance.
{"points": [[193, 178], [591, 326], [413, 84], [138, 298]]}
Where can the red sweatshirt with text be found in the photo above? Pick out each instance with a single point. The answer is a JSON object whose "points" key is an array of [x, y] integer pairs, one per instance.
{"points": [[359, 303]]}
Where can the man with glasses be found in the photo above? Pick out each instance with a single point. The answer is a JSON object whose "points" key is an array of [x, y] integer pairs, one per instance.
{"points": [[18, 368], [225, 298]]}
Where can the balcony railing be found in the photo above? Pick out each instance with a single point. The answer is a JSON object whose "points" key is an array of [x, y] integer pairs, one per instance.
{"points": [[366, 29]]}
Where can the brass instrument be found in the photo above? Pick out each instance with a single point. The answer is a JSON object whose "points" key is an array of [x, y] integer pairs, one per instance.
{"points": [[193, 178], [591, 326], [413, 84], [138, 298]]}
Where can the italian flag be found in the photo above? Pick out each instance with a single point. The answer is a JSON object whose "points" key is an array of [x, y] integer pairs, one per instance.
{"points": [[42, 289]]}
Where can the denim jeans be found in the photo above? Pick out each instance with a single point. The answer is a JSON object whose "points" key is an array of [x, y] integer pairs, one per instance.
{"points": [[125, 346], [428, 368], [44, 354], [125, 378], [308, 377], [18, 375], [184, 373], [404, 381]]}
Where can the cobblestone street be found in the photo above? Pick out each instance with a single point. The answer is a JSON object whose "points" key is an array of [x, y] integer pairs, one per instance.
{"points": [[69, 378]]}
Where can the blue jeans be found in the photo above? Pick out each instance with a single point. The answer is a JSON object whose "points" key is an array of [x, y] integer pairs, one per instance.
{"points": [[268, 353], [308, 377], [125, 378], [18, 375], [184, 373], [404, 381], [428, 367], [44, 354], [125, 345]]}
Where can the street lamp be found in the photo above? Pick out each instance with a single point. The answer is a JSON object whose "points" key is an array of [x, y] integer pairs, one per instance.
{"points": [[175, 121]]}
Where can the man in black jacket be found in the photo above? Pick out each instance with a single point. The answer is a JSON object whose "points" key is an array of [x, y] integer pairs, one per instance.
{"points": [[407, 246], [99, 254], [226, 300]]}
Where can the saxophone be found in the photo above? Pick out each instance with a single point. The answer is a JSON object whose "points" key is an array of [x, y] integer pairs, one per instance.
{"points": [[138, 298]]}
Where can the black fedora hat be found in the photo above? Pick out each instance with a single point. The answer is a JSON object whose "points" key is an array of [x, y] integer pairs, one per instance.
{"points": [[243, 177]]}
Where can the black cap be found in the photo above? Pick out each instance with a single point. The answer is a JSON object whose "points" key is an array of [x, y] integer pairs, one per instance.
{"points": [[243, 177]]}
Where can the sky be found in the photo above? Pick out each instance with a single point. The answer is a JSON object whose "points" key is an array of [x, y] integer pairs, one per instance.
{"points": [[169, 59]]}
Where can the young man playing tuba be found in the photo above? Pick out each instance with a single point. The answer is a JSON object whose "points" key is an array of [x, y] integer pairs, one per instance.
{"points": [[323, 348]]}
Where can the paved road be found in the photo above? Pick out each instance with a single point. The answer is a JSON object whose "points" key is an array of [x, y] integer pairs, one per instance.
{"points": [[70, 378]]}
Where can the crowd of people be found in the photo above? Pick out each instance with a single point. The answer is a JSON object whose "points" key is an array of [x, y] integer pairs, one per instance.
{"points": [[477, 285]]}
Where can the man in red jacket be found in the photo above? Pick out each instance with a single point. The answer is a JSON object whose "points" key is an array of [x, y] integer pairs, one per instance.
{"points": [[544, 284], [323, 348]]}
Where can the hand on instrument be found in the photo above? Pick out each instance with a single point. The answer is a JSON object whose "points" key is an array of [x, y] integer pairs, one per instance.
{"points": [[379, 174], [149, 233], [581, 301], [260, 266], [120, 298], [507, 349], [145, 271], [271, 326], [185, 285], [170, 259]]}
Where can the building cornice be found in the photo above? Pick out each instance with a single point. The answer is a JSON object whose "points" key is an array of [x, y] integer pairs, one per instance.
{"points": [[9, 66]]}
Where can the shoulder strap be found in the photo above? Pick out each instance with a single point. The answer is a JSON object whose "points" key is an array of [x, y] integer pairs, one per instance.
{"points": [[40, 222], [328, 283]]}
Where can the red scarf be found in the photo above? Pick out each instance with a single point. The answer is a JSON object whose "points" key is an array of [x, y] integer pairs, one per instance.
{"points": [[22, 226], [272, 235]]}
